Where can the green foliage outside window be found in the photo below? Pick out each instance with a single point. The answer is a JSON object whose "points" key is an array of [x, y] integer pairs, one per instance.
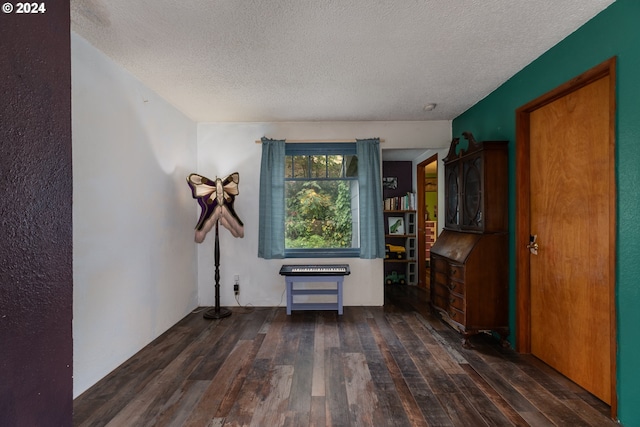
{"points": [[318, 201], [318, 214]]}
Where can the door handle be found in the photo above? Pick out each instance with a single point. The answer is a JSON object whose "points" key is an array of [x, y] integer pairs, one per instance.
{"points": [[533, 245]]}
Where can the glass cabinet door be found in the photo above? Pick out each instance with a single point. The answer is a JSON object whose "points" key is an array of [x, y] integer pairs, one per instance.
{"points": [[472, 193], [452, 197]]}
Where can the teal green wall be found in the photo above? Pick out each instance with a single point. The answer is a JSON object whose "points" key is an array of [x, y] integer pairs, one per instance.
{"points": [[614, 32]]}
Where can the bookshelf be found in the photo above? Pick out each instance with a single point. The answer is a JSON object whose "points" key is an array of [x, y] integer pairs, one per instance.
{"points": [[400, 221], [402, 247]]}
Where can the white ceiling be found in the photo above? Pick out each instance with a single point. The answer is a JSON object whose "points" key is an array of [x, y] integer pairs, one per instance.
{"points": [[326, 60]]}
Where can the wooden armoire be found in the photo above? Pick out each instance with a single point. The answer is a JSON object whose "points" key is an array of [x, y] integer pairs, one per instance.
{"points": [[469, 261]]}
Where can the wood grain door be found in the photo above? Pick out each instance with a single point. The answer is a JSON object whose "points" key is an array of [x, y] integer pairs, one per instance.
{"points": [[572, 216]]}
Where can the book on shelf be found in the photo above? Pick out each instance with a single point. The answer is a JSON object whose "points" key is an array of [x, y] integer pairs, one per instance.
{"points": [[400, 203]]}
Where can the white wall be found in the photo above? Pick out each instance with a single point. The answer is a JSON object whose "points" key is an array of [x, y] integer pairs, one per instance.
{"points": [[224, 148], [134, 257]]}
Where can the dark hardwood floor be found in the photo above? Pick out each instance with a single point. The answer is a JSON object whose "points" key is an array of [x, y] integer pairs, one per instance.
{"points": [[395, 365]]}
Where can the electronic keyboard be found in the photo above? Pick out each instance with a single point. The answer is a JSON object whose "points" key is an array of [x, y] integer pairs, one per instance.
{"points": [[315, 270]]}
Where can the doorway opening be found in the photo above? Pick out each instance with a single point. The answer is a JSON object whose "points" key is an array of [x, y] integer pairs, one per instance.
{"points": [[427, 212]]}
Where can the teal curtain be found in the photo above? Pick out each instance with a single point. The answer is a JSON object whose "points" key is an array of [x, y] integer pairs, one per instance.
{"points": [[271, 214], [370, 189]]}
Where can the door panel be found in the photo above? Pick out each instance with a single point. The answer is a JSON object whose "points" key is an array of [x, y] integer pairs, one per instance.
{"points": [[569, 214]]}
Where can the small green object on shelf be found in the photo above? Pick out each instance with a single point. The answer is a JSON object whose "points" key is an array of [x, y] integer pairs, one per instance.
{"points": [[395, 278], [393, 228]]}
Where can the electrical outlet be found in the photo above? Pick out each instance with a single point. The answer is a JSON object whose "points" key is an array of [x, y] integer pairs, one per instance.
{"points": [[236, 284]]}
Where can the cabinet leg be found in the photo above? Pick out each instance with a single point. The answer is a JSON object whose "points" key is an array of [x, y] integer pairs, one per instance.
{"points": [[504, 333], [465, 341]]}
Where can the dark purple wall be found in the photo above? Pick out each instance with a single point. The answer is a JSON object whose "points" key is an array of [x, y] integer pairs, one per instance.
{"points": [[401, 170], [36, 288]]}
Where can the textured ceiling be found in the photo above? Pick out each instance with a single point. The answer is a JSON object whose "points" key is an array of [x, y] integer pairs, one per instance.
{"points": [[326, 60]]}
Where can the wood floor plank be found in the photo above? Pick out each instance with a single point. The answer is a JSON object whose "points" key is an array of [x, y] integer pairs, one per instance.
{"points": [[273, 409], [540, 387], [273, 334], [389, 404], [460, 411], [491, 394], [220, 343], [591, 415], [234, 389], [489, 412], [215, 393], [318, 414], [435, 376], [529, 412], [349, 339], [396, 365], [97, 412], [116, 390], [255, 389], [387, 342], [272, 312], [421, 375], [493, 378], [180, 406], [441, 339], [441, 356], [255, 320], [301, 387], [317, 378], [149, 401], [571, 389], [361, 396], [542, 399], [336, 393], [331, 335], [287, 346]]}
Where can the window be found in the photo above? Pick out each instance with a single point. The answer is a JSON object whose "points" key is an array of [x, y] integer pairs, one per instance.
{"points": [[316, 165], [321, 200]]}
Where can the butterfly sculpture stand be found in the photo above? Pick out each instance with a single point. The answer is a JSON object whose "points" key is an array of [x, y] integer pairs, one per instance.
{"points": [[216, 198]]}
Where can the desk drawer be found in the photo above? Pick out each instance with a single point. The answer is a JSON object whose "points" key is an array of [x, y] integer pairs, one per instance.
{"points": [[440, 278], [456, 286], [456, 301], [456, 272], [456, 315], [441, 290]]}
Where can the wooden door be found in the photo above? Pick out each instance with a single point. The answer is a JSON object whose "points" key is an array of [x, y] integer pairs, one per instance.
{"points": [[571, 194]]}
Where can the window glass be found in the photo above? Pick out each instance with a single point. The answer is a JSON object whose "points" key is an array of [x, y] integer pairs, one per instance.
{"points": [[335, 166], [300, 166], [318, 166], [321, 200]]}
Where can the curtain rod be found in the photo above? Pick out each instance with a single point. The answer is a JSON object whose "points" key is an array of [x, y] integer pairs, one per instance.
{"points": [[315, 141]]}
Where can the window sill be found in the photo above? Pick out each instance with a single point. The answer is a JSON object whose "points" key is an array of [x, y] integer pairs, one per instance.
{"points": [[322, 253]]}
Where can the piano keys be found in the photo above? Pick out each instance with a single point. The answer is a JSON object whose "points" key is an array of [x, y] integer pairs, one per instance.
{"points": [[315, 270]]}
